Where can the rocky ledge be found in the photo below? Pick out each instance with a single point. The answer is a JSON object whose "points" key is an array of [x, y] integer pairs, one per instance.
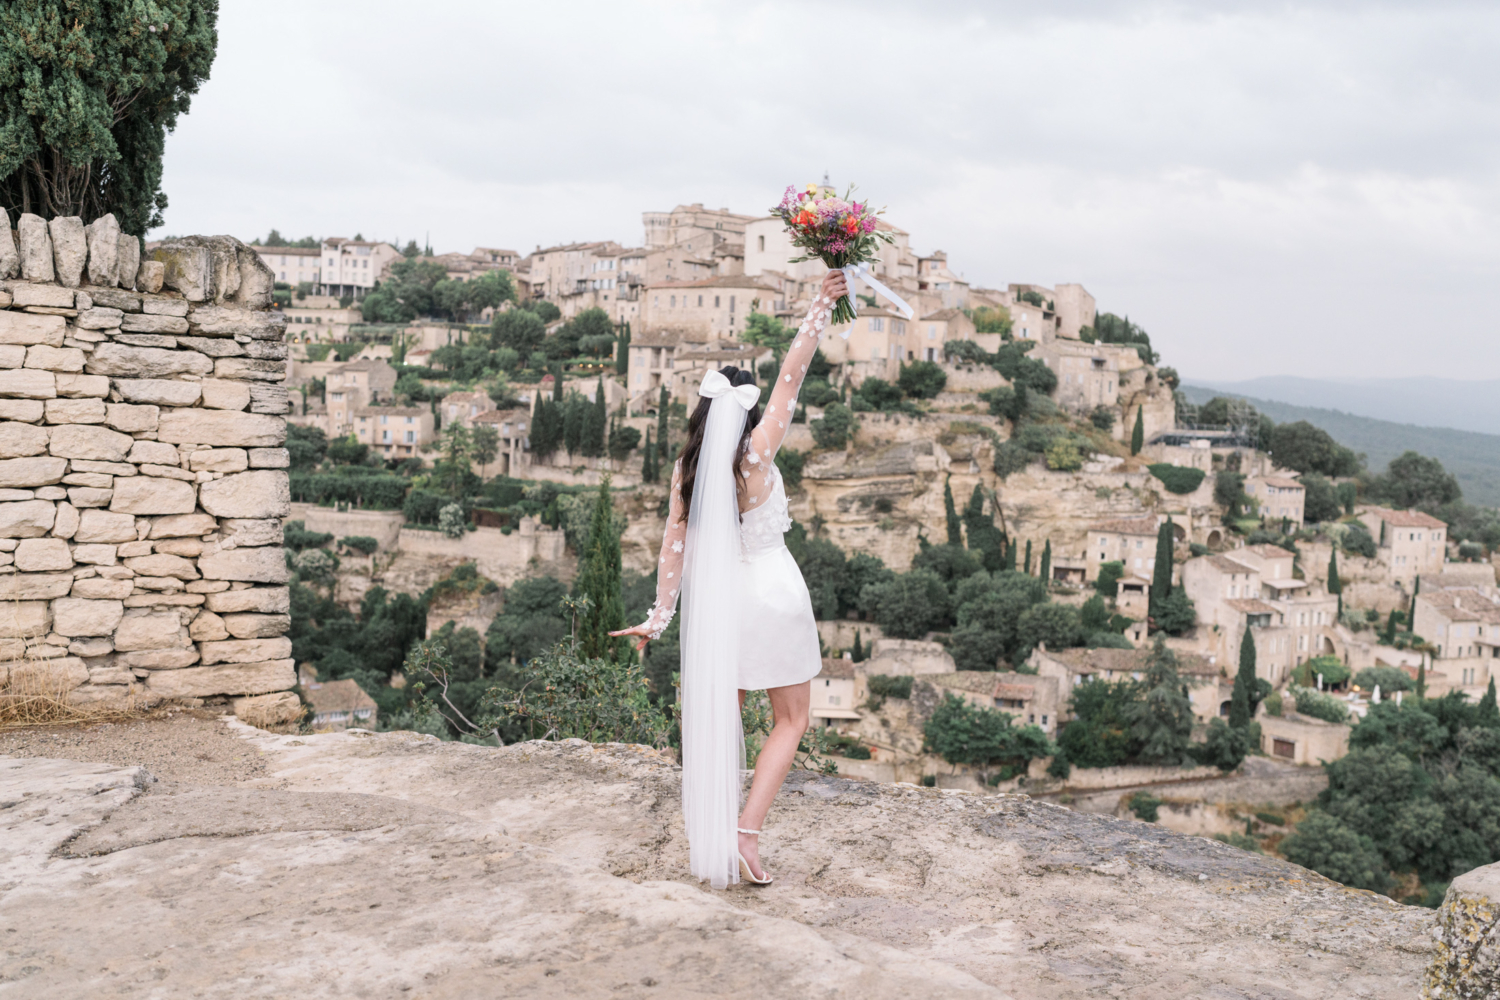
{"points": [[398, 866]]}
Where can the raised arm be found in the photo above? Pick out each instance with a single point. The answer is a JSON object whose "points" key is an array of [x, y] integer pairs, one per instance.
{"points": [[771, 431], [668, 568]]}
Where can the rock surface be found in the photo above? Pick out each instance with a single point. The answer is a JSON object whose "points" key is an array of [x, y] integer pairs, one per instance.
{"points": [[395, 865]]}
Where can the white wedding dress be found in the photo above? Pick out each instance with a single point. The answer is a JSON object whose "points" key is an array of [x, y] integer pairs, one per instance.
{"points": [[778, 634]]}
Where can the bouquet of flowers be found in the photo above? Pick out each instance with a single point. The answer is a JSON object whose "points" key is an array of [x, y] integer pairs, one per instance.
{"points": [[838, 231]]}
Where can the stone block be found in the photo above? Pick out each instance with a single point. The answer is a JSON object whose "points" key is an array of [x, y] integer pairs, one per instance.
{"points": [[104, 468], [29, 328], [128, 262], [35, 586], [66, 524], [161, 305], [158, 392], [146, 340], [257, 600], [11, 496], [148, 323], [243, 650], [54, 296], [36, 248], [145, 362], [94, 554], [99, 444], [262, 494], [99, 318], [150, 631], [51, 493], [19, 440], [152, 495], [24, 619], [267, 350], [73, 616], [161, 564], [259, 565], [64, 672], [10, 257], [214, 460], [114, 298], [159, 601], [30, 472], [183, 526], [269, 398], [250, 369], [157, 659], [99, 588], [104, 250], [57, 359], [208, 627], [154, 453], [43, 555], [249, 533], [27, 518], [228, 679], [220, 394], [70, 249], [168, 471], [187, 269], [28, 383], [214, 347], [188, 548], [207, 586], [257, 626], [89, 648], [25, 410], [264, 710], [227, 321], [82, 386], [151, 276], [270, 458], [12, 355], [90, 496], [131, 419], [219, 428], [75, 411]]}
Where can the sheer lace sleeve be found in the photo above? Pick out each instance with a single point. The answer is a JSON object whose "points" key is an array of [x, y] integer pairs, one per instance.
{"points": [[669, 564], [766, 438]]}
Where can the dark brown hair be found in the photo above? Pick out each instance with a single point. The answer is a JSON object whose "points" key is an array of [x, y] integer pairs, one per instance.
{"points": [[689, 457]]}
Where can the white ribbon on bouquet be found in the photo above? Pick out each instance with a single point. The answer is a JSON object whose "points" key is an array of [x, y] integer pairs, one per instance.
{"points": [[861, 272]]}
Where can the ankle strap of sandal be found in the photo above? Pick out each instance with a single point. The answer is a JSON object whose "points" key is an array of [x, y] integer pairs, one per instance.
{"points": [[741, 829]]}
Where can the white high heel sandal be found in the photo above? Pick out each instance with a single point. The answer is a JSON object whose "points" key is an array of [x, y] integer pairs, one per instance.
{"points": [[745, 865]]}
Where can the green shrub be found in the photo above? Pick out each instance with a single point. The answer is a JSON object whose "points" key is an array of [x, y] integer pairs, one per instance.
{"points": [[357, 486], [1274, 819], [1176, 478], [922, 379], [1103, 418], [1240, 840], [836, 426], [1319, 705], [295, 536], [423, 506], [1145, 806], [1010, 458], [360, 543], [1388, 679], [883, 686], [1332, 668], [1063, 456]]}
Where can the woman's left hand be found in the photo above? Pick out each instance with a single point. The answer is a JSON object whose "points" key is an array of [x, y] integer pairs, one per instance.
{"points": [[640, 630]]}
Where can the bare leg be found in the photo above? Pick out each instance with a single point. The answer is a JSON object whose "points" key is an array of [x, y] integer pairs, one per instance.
{"points": [[789, 711]]}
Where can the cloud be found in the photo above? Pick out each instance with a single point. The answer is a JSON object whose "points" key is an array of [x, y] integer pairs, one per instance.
{"points": [[1266, 187]]}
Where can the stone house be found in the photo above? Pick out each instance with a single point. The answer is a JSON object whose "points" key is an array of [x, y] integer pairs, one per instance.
{"points": [[651, 365], [1088, 375], [319, 319], [514, 452], [1131, 541], [353, 267], [352, 386], [394, 431], [1280, 497], [1464, 625], [908, 657], [1410, 543], [1030, 699], [836, 693], [878, 335], [463, 407], [339, 704], [713, 307], [1069, 668], [694, 227], [1478, 576], [1302, 739], [292, 265]]}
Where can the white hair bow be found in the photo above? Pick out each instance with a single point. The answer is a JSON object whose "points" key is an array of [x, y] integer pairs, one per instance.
{"points": [[716, 385]]}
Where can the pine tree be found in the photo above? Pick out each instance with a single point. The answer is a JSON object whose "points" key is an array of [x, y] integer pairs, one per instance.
{"points": [[1138, 434], [599, 580], [1244, 683], [955, 532], [648, 460], [858, 653], [1161, 574], [1489, 713], [1028, 557], [1162, 719], [1046, 567]]}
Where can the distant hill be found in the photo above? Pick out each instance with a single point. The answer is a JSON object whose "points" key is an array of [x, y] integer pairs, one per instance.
{"points": [[1426, 402], [1473, 458]]}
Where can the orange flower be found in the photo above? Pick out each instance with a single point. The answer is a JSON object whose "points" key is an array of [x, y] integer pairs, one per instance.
{"points": [[851, 225], [803, 218]]}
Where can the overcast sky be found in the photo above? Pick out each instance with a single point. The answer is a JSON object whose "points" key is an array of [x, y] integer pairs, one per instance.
{"points": [[1271, 188]]}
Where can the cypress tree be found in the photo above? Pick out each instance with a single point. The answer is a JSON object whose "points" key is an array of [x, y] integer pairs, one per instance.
{"points": [[572, 422], [662, 406], [1244, 683], [1028, 557], [622, 351], [1489, 712], [1389, 636], [1411, 612], [1161, 574], [1010, 557], [557, 386], [983, 537], [1046, 567], [648, 460], [596, 423], [1138, 434], [599, 580], [955, 533], [1422, 680], [539, 426], [858, 654]]}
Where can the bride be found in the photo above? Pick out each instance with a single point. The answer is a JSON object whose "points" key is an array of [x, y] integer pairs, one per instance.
{"points": [[747, 619]]}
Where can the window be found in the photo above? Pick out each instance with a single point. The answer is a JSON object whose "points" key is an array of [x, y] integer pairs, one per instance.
{"points": [[900, 327], [932, 332], [731, 305], [384, 418], [760, 243], [674, 302], [874, 354], [411, 437], [877, 324], [385, 436]]}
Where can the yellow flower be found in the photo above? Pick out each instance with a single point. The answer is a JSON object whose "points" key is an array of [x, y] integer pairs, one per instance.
{"points": [[812, 189]]}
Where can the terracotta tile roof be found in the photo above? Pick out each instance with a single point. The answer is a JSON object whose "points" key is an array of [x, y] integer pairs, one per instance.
{"points": [[1021, 692], [1462, 605], [974, 681], [1406, 518], [1129, 526], [1224, 564], [291, 251], [337, 696], [1281, 482], [837, 668], [368, 365], [721, 281], [943, 315], [1253, 606], [1126, 661], [392, 411], [1268, 551]]}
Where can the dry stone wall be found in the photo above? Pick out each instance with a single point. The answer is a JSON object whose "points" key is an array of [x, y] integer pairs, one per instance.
{"points": [[142, 470]]}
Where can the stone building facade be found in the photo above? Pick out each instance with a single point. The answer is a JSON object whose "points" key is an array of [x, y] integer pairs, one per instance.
{"points": [[142, 470]]}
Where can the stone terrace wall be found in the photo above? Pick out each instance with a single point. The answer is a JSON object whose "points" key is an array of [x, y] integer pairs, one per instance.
{"points": [[142, 474]]}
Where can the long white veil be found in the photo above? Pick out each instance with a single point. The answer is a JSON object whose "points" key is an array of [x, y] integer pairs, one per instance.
{"points": [[713, 744]]}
